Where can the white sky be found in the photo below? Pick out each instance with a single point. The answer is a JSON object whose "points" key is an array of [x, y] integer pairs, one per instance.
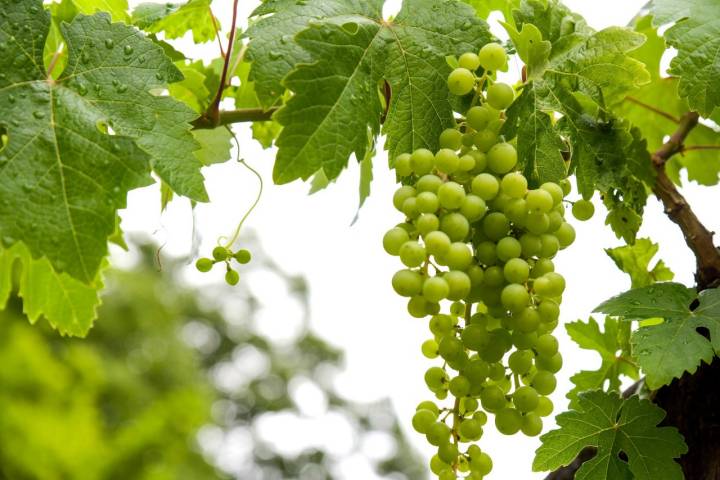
{"points": [[353, 305]]}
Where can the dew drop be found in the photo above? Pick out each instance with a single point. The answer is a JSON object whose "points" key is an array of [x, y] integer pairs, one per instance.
{"points": [[115, 82], [3, 45], [15, 122], [85, 57], [286, 39], [11, 98], [116, 189], [82, 89], [109, 43], [275, 55], [39, 114], [27, 188], [3, 76], [122, 88], [33, 9], [141, 59], [115, 148], [128, 50], [3, 160], [159, 76]]}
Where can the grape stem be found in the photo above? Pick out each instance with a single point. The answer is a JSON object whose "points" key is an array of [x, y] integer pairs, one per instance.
{"points": [[213, 112], [53, 61], [229, 117], [217, 32], [653, 109]]}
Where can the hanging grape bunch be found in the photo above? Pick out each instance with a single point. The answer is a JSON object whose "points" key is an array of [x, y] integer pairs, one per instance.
{"points": [[477, 244], [225, 255]]}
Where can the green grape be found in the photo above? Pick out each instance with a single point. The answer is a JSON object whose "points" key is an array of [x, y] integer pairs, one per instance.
{"points": [[500, 202], [556, 219], [545, 407], [516, 211], [394, 239], [514, 185], [522, 340], [496, 126], [437, 466], [549, 311], [467, 163], [451, 348], [426, 223], [401, 195], [531, 425], [243, 256], [546, 345], [402, 165], [451, 195], [437, 243], [479, 117], [539, 201], [204, 264], [583, 210], [428, 183], [565, 235], [429, 349], [451, 138], [530, 244], [485, 252], [462, 464], [435, 289], [557, 284], [525, 399], [423, 420], [428, 405], [447, 160], [417, 307], [485, 186], [407, 283], [476, 274], [471, 429], [457, 308], [496, 225], [516, 270], [497, 372], [447, 474], [537, 222], [475, 337], [455, 225], [422, 161], [544, 382], [508, 421], [566, 186], [459, 386], [549, 245], [221, 253], [481, 417], [502, 157], [508, 248], [438, 434], [441, 324], [554, 190], [500, 95], [412, 254], [476, 371], [515, 297], [480, 161], [470, 61], [448, 452], [492, 57], [435, 378], [473, 207], [492, 398], [459, 284], [485, 139], [542, 266], [494, 276], [528, 320], [427, 202], [461, 81], [409, 208], [520, 361], [551, 364], [459, 256], [232, 277]]}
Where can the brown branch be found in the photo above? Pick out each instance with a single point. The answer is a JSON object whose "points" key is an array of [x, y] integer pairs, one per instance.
{"points": [[234, 116], [213, 112], [700, 147], [647, 106]]}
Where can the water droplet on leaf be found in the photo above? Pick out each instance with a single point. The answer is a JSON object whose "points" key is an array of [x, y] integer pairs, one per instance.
{"points": [[109, 43], [39, 114], [128, 50]]}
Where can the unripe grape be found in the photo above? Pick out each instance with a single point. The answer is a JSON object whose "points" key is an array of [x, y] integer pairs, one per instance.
{"points": [[461, 81], [549, 245], [566, 186], [486, 253], [470, 429], [437, 243], [476, 274], [451, 348], [544, 382], [451, 138], [459, 386], [401, 195], [516, 270], [243, 256], [554, 190], [531, 425], [492, 57], [441, 324], [508, 421], [422, 161], [542, 266], [485, 139], [500, 95], [435, 289], [447, 160], [551, 364], [455, 225], [485, 186], [565, 235], [470, 61], [481, 463], [459, 256], [546, 345], [407, 283], [417, 307], [549, 311], [426, 223], [409, 207], [528, 320], [451, 195], [556, 219], [492, 398], [520, 361], [522, 340], [479, 117], [232, 277], [402, 165], [494, 276], [412, 254], [583, 210], [428, 405], [423, 420], [507, 248], [467, 163], [435, 378], [530, 244], [394, 239], [459, 284], [495, 225], [502, 158], [448, 452], [539, 201], [537, 222], [480, 161], [447, 474], [473, 207], [514, 185], [429, 349], [438, 433], [428, 183], [204, 264], [515, 297], [221, 253], [427, 202], [525, 399], [545, 407]]}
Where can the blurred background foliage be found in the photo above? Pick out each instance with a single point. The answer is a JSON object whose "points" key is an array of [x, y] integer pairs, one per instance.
{"points": [[175, 382]]}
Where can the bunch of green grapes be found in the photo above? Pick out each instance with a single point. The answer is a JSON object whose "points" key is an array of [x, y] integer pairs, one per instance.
{"points": [[477, 245]]}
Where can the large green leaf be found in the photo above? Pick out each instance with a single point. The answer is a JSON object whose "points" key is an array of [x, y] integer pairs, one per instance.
{"points": [[635, 261], [336, 107], [673, 347], [61, 169], [613, 426], [485, 7], [116, 8], [696, 36], [613, 345], [68, 304], [176, 19]]}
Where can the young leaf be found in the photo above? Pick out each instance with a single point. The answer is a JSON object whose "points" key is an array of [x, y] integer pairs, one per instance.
{"points": [[215, 145], [116, 8], [669, 349], [68, 304], [531, 48], [177, 19], [613, 345], [635, 261], [613, 426], [696, 36], [336, 101], [485, 7]]}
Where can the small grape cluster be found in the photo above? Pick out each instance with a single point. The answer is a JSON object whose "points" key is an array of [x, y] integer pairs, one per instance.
{"points": [[478, 241], [225, 255]]}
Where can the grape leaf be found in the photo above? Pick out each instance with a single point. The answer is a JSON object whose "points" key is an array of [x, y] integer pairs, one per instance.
{"points": [[667, 350], [557, 23], [531, 48], [60, 167], [177, 19], [266, 132], [116, 8], [613, 345], [336, 102], [215, 145], [696, 36], [68, 304], [485, 7], [635, 261], [192, 89], [272, 49], [613, 425]]}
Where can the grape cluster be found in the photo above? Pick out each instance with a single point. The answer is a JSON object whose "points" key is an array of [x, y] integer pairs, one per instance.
{"points": [[477, 245], [225, 255]]}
